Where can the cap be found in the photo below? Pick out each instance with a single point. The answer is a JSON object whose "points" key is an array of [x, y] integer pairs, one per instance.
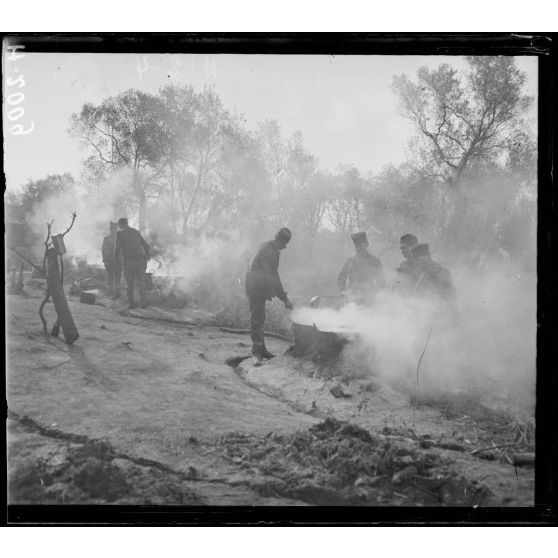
{"points": [[408, 239], [284, 234], [359, 238], [421, 250], [122, 221]]}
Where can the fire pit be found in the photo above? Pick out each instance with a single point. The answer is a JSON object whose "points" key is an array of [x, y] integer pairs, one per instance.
{"points": [[313, 328]]}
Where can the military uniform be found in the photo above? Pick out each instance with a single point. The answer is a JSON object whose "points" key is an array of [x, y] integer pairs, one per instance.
{"points": [[131, 248], [405, 279], [112, 267], [263, 283], [361, 275], [434, 280]]}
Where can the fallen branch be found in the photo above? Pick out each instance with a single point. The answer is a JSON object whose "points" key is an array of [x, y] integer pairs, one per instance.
{"points": [[36, 267], [492, 448], [267, 333]]}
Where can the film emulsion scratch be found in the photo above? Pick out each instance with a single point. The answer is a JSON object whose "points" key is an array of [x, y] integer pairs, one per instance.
{"points": [[271, 280]]}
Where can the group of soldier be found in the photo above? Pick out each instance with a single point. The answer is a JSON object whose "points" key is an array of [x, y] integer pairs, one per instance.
{"points": [[361, 278], [125, 250]]}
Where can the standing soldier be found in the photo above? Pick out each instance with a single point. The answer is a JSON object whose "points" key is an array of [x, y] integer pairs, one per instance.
{"points": [[434, 280], [132, 249], [113, 267], [263, 283], [405, 279], [362, 275]]}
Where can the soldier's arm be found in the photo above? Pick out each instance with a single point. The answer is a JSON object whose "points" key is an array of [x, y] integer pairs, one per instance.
{"points": [[118, 249], [145, 246], [270, 264], [342, 277]]}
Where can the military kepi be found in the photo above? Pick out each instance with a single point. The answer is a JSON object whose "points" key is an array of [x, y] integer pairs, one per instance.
{"points": [[284, 234], [359, 238]]}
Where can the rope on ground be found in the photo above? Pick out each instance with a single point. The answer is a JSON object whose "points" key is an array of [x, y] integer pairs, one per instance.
{"points": [[267, 333]]}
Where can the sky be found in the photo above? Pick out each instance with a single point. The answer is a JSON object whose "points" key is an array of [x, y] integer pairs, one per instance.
{"points": [[343, 105]]}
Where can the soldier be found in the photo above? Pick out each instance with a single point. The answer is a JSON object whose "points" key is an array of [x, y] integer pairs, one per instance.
{"points": [[362, 275], [113, 268], [263, 283], [406, 243], [132, 249], [405, 279], [434, 280]]}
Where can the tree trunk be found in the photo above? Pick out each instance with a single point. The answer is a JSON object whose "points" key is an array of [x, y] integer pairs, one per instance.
{"points": [[142, 211], [56, 290]]}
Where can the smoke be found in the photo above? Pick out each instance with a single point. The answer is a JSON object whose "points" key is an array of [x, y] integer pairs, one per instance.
{"points": [[95, 209], [215, 260], [491, 351]]}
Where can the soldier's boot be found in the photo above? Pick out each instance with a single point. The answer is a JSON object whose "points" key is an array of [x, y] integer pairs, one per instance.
{"points": [[257, 354], [267, 354]]}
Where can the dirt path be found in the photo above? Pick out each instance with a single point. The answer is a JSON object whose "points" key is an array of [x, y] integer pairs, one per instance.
{"points": [[150, 411]]}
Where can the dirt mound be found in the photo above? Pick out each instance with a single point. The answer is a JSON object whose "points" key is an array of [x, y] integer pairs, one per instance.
{"points": [[91, 473], [338, 463]]}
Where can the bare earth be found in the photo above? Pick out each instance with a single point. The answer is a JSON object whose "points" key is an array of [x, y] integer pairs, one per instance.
{"points": [[145, 411]]}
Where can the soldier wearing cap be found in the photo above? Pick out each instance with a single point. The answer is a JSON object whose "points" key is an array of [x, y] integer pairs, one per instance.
{"points": [[362, 275], [434, 280], [406, 243], [263, 283], [405, 279], [133, 251]]}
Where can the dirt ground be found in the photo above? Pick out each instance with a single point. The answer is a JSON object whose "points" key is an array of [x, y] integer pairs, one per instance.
{"points": [[156, 407]]}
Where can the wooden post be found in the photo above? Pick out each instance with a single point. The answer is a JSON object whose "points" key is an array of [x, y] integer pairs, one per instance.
{"points": [[56, 290]]}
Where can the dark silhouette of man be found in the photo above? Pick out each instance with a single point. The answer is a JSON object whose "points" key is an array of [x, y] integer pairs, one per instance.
{"points": [[112, 267], [263, 283], [133, 251], [362, 275]]}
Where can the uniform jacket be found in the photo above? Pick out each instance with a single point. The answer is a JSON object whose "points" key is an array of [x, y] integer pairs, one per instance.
{"points": [[130, 246], [262, 278], [109, 245], [362, 272], [432, 278]]}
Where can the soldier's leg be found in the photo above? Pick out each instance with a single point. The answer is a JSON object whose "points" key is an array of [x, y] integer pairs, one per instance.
{"points": [[129, 277], [117, 279], [266, 353], [140, 278], [257, 319], [110, 279]]}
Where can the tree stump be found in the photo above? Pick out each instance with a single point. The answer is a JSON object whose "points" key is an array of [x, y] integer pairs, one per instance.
{"points": [[56, 290]]}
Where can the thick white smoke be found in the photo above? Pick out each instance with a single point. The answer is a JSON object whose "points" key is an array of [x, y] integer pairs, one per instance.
{"points": [[95, 210], [491, 351], [219, 259]]}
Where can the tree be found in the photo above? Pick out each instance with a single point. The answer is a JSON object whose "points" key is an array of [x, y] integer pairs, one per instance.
{"points": [[463, 122], [347, 202], [200, 135], [398, 201], [126, 131], [21, 206]]}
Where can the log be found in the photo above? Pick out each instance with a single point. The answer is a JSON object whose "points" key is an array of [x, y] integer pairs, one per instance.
{"points": [[56, 291], [523, 458]]}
